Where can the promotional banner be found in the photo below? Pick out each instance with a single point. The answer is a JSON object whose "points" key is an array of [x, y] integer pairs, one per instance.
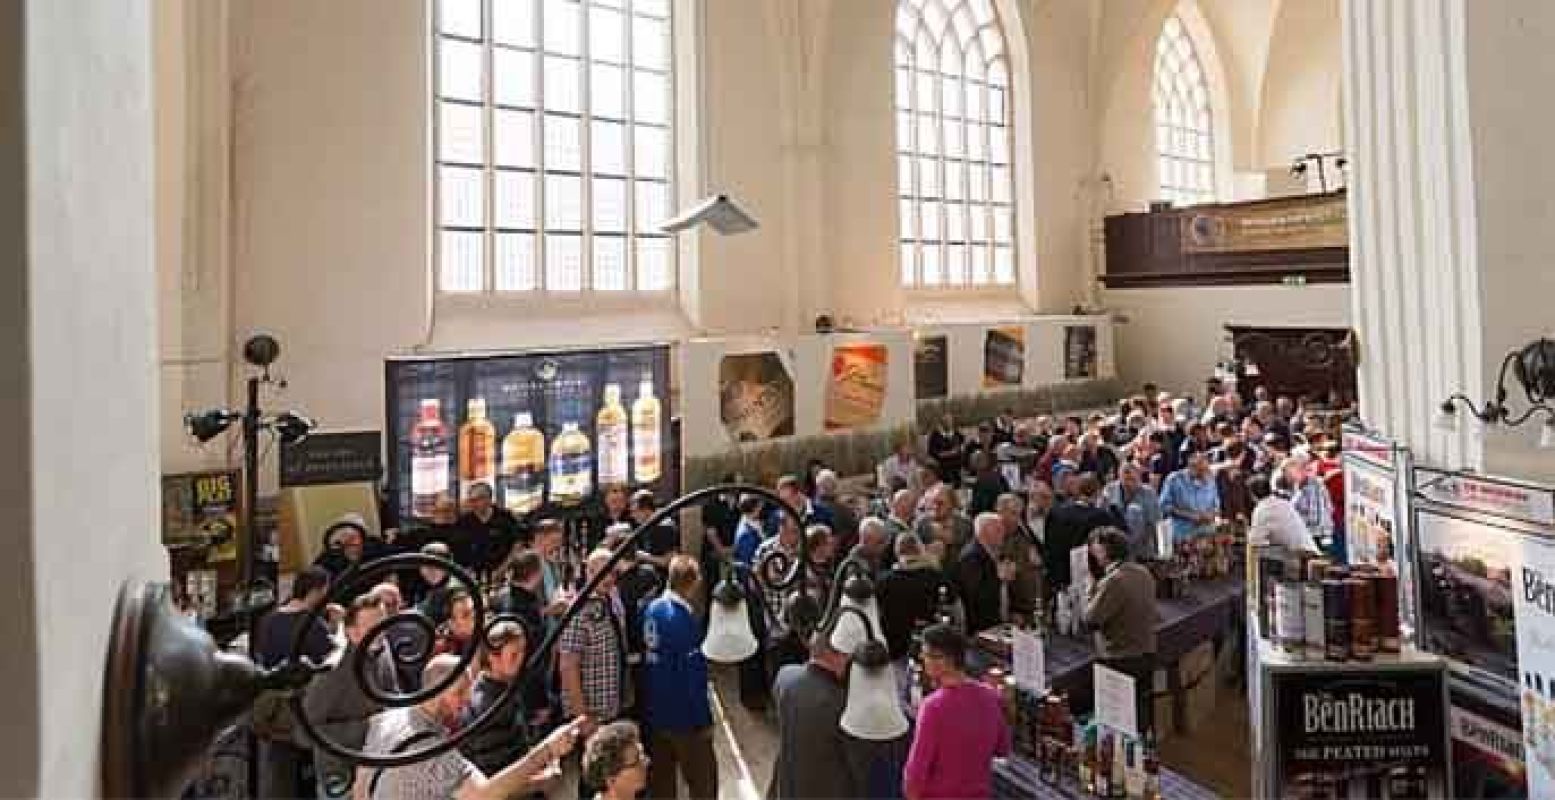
{"points": [[538, 430], [1004, 357], [856, 389], [1466, 587], [1288, 223], [1500, 498], [931, 367], [1079, 352], [1377, 733], [1534, 600], [1487, 749], [1369, 513], [756, 397], [324, 458]]}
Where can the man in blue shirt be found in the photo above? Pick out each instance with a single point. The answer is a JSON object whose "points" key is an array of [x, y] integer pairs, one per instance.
{"points": [[1191, 500], [677, 711]]}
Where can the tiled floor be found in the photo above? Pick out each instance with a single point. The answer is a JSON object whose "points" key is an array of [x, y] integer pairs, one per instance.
{"points": [[1216, 755]]}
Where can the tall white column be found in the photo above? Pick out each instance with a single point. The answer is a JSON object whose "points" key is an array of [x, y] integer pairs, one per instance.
{"points": [[1453, 226], [78, 486]]}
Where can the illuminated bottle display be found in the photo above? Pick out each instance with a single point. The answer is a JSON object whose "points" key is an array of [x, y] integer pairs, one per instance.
{"points": [[477, 449], [523, 466], [570, 483], [610, 428], [646, 465], [428, 459]]}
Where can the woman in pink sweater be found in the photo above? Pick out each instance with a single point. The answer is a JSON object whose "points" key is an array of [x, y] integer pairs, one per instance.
{"points": [[960, 727]]}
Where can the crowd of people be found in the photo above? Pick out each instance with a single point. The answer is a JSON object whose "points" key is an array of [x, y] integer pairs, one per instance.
{"points": [[959, 534]]}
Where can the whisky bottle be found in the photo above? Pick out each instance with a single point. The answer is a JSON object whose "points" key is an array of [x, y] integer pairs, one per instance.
{"points": [[610, 429], [646, 447], [570, 484], [428, 460], [523, 466], [477, 449]]}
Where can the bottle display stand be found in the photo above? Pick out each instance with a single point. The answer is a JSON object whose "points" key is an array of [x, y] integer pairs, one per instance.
{"points": [[1331, 729]]}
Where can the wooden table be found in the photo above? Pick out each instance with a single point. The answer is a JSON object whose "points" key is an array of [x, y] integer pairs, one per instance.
{"points": [[1210, 609]]}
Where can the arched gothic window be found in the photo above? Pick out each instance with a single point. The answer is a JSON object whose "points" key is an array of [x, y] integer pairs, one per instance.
{"points": [[954, 145], [552, 145], [1184, 122]]}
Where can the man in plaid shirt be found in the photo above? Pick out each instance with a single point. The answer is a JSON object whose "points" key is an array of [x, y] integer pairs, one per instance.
{"points": [[593, 653]]}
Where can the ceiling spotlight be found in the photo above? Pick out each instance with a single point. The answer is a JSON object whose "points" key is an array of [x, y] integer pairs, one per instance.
{"points": [[292, 427], [207, 425], [719, 212]]}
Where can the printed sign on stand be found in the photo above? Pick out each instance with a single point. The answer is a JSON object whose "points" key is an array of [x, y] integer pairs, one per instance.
{"points": [[1500, 498], [1349, 733], [1030, 662], [1116, 706], [1534, 600]]}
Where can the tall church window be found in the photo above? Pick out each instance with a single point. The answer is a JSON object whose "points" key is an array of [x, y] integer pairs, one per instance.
{"points": [[1184, 133], [553, 145], [954, 145]]}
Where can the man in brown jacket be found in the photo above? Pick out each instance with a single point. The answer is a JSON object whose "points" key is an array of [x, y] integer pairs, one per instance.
{"points": [[1121, 610]]}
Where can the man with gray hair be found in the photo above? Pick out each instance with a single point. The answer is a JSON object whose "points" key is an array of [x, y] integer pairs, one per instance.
{"points": [[981, 572], [828, 501], [448, 775], [814, 758], [874, 546]]}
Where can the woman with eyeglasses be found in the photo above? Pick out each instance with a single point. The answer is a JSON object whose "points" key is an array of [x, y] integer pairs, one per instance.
{"points": [[614, 762], [960, 729]]}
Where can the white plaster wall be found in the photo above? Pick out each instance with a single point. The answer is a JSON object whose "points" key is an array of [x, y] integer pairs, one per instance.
{"points": [[80, 366], [1299, 108], [1174, 337], [331, 235], [1509, 60]]}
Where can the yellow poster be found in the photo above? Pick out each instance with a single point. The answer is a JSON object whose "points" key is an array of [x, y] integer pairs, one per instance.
{"points": [[1004, 357], [855, 393]]}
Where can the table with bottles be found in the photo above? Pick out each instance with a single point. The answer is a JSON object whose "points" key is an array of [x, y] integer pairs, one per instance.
{"points": [[1018, 778]]}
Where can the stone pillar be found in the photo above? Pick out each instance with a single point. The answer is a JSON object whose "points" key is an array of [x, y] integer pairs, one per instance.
{"points": [[1452, 228], [78, 485]]}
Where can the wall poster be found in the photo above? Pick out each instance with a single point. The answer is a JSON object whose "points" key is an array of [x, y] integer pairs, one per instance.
{"points": [[1380, 733], [756, 396], [1079, 352], [856, 385], [540, 430], [1466, 584], [201, 508], [931, 367], [1004, 357]]}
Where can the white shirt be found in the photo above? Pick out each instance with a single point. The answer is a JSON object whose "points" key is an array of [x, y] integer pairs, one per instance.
{"points": [[1276, 522]]}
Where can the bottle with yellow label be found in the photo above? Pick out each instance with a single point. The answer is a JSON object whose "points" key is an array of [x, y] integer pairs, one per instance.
{"points": [[646, 458], [610, 429], [523, 466], [570, 484], [477, 449]]}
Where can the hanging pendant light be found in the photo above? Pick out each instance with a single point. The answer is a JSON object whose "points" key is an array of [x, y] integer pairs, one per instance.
{"points": [[874, 709], [729, 636]]}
